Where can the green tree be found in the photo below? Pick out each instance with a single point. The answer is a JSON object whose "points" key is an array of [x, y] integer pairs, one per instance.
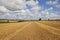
{"points": [[39, 19]]}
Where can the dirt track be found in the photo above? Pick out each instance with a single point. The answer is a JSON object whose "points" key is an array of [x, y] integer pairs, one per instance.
{"points": [[29, 31]]}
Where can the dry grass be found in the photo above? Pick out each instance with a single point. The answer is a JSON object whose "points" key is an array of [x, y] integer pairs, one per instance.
{"points": [[55, 24], [34, 31], [8, 28]]}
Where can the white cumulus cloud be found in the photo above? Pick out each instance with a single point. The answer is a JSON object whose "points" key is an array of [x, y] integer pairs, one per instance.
{"points": [[54, 3], [13, 4]]}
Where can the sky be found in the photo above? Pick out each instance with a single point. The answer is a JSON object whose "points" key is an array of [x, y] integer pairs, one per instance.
{"points": [[30, 9]]}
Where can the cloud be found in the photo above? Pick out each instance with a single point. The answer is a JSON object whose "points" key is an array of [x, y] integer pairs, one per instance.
{"points": [[51, 8], [46, 11], [13, 4], [3, 9], [54, 3], [17, 9], [54, 16], [11, 8], [58, 6], [32, 3], [36, 8], [49, 14]]}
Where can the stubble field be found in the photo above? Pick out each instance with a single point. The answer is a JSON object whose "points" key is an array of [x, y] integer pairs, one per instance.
{"points": [[30, 30]]}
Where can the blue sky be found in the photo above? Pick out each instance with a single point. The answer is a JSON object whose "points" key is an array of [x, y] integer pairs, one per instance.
{"points": [[45, 4], [30, 9]]}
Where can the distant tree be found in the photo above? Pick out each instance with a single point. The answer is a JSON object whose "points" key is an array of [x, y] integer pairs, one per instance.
{"points": [[48, 19], [39, 19]]}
